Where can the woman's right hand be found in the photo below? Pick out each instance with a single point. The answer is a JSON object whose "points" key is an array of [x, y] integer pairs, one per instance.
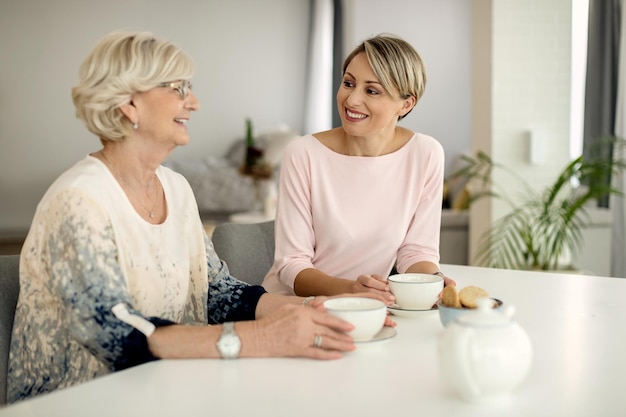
{"points": [[293, 331]]}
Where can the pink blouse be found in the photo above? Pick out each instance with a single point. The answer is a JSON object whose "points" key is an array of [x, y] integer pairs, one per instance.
{"points": [[352, 215]]}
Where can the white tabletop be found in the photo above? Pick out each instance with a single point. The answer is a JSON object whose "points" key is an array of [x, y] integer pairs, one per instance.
{"points": [[575, 324]]}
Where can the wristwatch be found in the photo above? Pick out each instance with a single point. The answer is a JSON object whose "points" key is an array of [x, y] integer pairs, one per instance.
{"points": [[229, 343]]}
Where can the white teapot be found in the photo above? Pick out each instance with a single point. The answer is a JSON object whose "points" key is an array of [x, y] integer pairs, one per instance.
{"points": [[484, 354]]}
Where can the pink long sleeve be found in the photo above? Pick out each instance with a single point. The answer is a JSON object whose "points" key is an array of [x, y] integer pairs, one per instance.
{"points": [[349, 215]]}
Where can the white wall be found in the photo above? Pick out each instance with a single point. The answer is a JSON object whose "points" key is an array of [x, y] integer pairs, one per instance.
{"points": [[529, 61], [532, 85], [441, 32], [250, 56]]}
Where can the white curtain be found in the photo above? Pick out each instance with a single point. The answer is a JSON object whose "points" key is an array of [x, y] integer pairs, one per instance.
{"points": [[618, 267], [318, 98]]}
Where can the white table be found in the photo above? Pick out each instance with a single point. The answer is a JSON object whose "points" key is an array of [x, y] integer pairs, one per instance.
{"points": [[576, 324]]}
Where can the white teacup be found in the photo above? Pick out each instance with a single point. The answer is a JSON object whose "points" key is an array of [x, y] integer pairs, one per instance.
{"points": [[366, 314], [415, 291]]}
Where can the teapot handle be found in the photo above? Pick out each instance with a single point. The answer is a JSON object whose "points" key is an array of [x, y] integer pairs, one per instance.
{"points": [[465, 360]]}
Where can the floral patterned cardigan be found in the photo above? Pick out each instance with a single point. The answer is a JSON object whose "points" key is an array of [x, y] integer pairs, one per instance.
{"points": [[96, 279]]}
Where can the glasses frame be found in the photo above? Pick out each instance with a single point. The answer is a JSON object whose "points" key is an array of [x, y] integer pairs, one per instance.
{"points": [[183, 87]]}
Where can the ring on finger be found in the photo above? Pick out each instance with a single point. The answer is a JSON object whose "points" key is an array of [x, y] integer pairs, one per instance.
{"points": [[317, 342]]}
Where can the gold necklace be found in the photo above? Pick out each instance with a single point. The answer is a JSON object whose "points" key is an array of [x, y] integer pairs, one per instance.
{"points": [[128, 187], [156, 200]]}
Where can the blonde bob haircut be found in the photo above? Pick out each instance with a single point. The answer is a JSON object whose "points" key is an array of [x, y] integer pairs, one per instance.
{"points": [[396, 63], [121, 64]]}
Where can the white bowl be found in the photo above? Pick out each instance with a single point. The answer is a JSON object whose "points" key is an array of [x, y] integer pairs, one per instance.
{"points": [[415, 291], [366, 314], [449, 314]]}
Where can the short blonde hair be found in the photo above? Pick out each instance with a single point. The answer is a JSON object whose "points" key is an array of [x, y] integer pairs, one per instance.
{"points": [[121, 64], [396, 63]]}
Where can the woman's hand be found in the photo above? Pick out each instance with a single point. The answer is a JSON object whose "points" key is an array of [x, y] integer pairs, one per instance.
{"points": [[448, 281], [296, 331], [375, 284]]}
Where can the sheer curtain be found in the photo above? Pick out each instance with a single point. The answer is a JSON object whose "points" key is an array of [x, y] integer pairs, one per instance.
{"points": [[618, 265], [602, 105], [338, 57], [319, 96], [601, 80]]}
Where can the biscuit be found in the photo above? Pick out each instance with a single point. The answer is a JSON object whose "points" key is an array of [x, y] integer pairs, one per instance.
{"points": [[450, 297], [468, 296]]}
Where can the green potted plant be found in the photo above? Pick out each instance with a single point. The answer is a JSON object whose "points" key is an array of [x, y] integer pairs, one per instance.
{"points": [[543, 226], [254, 164]]}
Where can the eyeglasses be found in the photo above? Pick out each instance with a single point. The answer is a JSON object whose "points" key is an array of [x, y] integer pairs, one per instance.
{"points": [[182, 86]]}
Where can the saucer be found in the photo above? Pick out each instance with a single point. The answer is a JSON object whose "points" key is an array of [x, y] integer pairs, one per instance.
{"points": [[400, 312], [384, 334]]}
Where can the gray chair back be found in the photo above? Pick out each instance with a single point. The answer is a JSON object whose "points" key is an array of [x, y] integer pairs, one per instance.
{"points": [[9, 290], [247, 249]]}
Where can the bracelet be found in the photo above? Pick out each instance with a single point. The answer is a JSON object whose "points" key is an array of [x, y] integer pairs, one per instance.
{"points": [[307, 300], [441, 274]]}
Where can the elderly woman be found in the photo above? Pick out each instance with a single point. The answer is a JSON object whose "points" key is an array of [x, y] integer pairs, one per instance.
{"points": [[356, 200], [116, 269]]}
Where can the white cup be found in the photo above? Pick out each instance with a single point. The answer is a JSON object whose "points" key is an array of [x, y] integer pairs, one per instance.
{"points": [[415, 291], [366, 314]]}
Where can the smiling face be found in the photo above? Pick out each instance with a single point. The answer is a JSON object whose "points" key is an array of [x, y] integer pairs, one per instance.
{"points": [[162, 115], [366, 109]]}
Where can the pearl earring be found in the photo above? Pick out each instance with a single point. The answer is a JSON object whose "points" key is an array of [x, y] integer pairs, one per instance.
{"points": [[135, 125]]}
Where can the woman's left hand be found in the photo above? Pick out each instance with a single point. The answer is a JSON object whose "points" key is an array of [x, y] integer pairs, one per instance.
{"points": [[448, 281]]}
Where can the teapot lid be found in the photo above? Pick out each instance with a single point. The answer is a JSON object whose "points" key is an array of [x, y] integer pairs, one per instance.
{"points": [[486, 315]]}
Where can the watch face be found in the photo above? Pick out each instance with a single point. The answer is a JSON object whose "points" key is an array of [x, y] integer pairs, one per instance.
{"points": [[229, 343]]}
